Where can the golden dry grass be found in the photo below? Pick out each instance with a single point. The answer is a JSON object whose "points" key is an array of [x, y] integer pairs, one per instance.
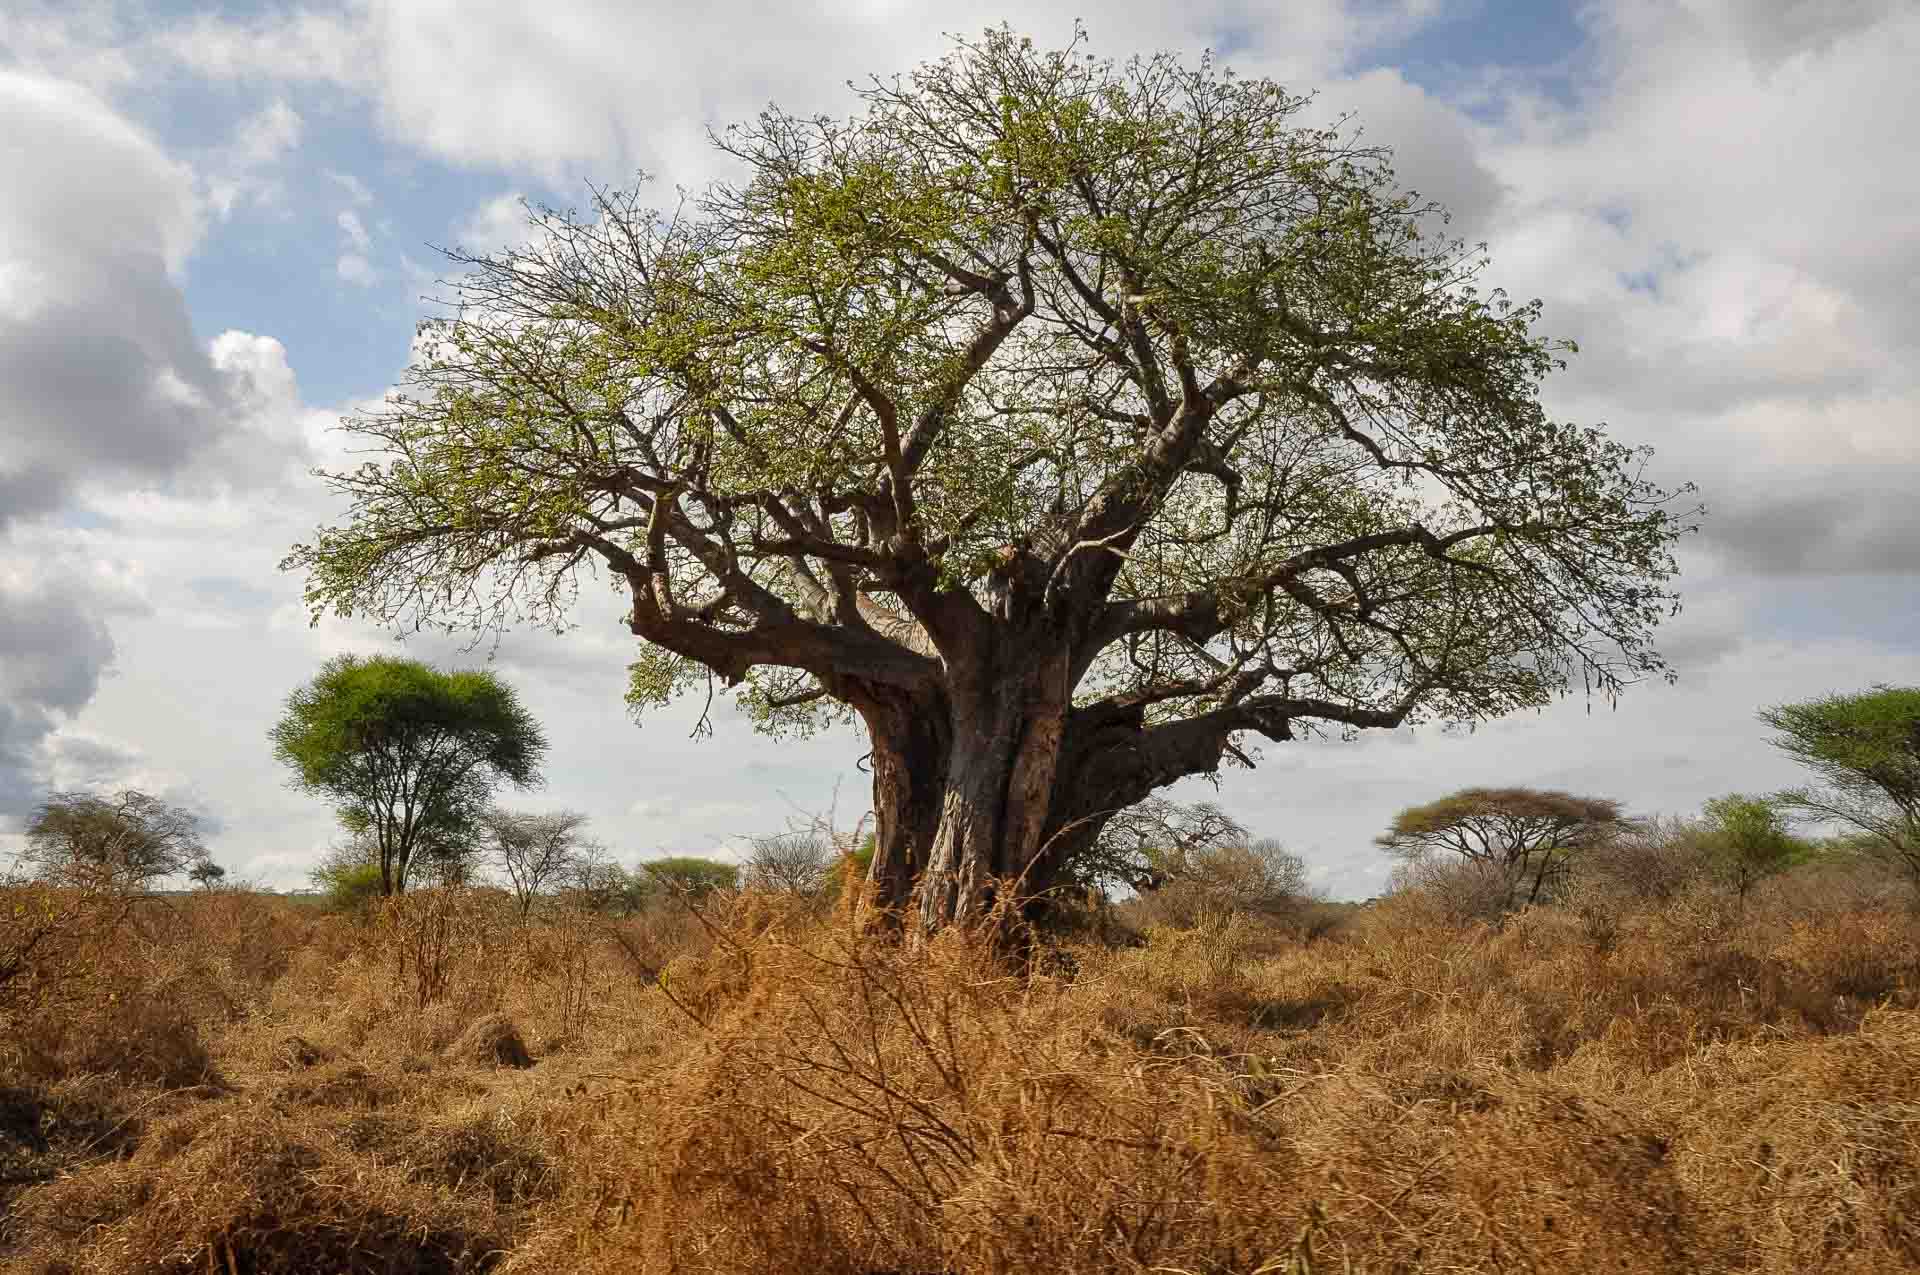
{"points": [[226, 1082]]}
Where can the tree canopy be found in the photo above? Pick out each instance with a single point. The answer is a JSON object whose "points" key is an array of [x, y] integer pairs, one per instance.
{"points": [[1865, 750], [1523, 834], [691, 875], [409, 754], [1070, 423], [128, 840], [534, 851], [1749, 840]]}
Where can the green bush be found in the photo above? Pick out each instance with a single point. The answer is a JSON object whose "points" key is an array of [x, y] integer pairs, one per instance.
{"points": [[349, 887], [859, 859], [692, 876]]}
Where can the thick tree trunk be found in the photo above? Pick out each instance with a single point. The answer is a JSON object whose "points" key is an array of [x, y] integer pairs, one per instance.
{"points": [[911, 743], [962, 787], [1000, 786], [1009, 725], [989, 821]]}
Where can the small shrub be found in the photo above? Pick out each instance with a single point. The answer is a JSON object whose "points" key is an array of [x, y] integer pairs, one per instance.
{"points": [[352, 888], [1259, 879], [1454, 891]]}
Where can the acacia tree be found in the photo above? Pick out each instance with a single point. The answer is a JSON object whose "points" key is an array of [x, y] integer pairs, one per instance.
{"points": [[129, 839], [1067, 423], [690, 875], [207, 874], [409, 754], [534, 851], [1750, 841], [1523, 835], [1865, 748]]}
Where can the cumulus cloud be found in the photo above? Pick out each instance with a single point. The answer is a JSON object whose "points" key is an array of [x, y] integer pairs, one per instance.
{"points": [[100, 374], [500, 222], [245, 170], [604, 87], [55, 647], [1715, 218], [104, 390]]}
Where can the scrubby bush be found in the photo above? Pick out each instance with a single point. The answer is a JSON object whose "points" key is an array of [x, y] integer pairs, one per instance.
{"points": [[349, 887], [691, 876], [793, 862], [1525, 838], [127, 841], [536, 852], [1257, 879], [1451, 891], [1750, 841]]}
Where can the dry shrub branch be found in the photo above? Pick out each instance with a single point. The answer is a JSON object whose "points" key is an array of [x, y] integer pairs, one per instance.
{"points": [[750, 1082]]}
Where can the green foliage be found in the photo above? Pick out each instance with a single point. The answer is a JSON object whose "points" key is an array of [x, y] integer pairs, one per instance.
{"points": [[1123, 365], [691, 876], [1521, 837], [1024, 302], [1750, 840], [349, 887], [408, 753], [1865, 750]]}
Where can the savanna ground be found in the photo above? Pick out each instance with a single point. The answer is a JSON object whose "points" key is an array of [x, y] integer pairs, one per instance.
{"points": [[1643, 1077]]}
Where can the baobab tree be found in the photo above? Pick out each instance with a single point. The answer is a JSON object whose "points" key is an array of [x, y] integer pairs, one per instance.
{"points": [[1068, 424]]}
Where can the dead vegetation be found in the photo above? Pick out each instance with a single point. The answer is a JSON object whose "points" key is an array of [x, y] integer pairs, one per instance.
{"points": [[1644, 1079]]}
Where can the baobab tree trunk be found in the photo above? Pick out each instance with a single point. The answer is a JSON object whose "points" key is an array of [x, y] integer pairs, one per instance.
{"points": [[912, 740], [962, 787]]}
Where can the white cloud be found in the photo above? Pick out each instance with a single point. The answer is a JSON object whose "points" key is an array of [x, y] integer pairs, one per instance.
{"points": [[299, 46], [1716, 219], [355, 231], [353, 265], [245, 168], [500, 222], [80, 41], [104, 390], [357, 191], [99, 373], [356, 269], [267, 136], [605, 86], [55, 648]]}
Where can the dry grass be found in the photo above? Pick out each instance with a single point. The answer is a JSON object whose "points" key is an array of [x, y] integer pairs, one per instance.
{"points": [[229, 1082]]}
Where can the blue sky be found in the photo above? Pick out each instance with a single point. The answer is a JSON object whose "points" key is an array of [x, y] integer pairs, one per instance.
{"points": [[222, 222]]}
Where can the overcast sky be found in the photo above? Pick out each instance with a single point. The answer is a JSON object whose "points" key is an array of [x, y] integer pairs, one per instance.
{"points": [[216, 222]]}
